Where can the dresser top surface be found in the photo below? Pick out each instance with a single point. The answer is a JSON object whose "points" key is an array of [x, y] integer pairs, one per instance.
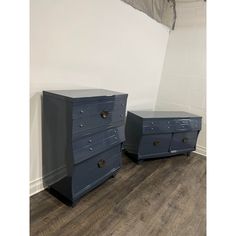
{"points": [[83, 93], [163, 114]]}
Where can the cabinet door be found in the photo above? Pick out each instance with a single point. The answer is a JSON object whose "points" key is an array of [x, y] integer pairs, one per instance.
{"points": [[154, 144], [183, 141]]}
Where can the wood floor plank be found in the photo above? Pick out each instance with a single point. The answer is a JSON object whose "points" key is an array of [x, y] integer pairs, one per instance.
{"points": [[156, 195], [162, 197], [178, 206]]}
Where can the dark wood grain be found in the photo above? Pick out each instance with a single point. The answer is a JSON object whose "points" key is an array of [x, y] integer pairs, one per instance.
{"points": [[160, 197]]}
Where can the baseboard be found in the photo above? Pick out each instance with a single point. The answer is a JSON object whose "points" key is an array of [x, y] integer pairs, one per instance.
{"points": [[200, 150], [43, 182]]}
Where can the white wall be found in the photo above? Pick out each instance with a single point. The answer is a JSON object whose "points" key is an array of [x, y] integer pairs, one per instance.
{"points": [[183, 83], [93, 43]]}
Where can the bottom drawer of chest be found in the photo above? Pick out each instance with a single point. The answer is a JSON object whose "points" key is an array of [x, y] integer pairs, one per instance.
{"points": [[183, 141], [88, 174], [154, 144]]}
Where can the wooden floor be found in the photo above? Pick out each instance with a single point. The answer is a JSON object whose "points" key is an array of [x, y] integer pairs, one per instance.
{"points": [[165, 197]]}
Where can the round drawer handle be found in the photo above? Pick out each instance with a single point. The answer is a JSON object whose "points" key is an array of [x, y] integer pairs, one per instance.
{"points": [[101, 163], [104, 114], [185, 140], [156, 143]]}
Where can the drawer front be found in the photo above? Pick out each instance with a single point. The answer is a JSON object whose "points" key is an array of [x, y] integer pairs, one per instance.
{"points": [[86, 174], [152, 126], [101, 113], [186, 124], [91, 145], [152, 144], [156, 126], [183, 141]]}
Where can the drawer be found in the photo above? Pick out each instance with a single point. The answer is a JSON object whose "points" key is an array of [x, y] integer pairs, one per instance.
{"points": [[154, 144], [91, 115], [170, 125], [187, 124], [90, 145], [183, 141], [88, 173], [156, 126], [94, 108]]}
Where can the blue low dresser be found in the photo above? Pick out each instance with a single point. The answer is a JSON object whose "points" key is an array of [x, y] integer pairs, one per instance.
{"points": [[83, 131], [153, 134]]}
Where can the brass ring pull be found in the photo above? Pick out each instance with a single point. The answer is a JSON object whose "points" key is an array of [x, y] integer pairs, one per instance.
{"points": [[156, 143], [185, 140], [101, 163], [104, 114]]}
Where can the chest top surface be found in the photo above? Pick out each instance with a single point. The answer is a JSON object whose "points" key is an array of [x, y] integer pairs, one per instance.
{"points": [[82, 93], [163, 114]]}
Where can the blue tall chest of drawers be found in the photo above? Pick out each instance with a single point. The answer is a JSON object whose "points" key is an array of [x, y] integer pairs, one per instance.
{"points": [[152, 134], [83, 130]]}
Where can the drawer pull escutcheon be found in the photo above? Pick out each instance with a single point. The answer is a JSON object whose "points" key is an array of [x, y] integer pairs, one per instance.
{"points": [[101, 163], [156, 143], [104, 114]]}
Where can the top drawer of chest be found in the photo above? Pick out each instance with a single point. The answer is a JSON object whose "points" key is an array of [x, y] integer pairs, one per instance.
{"points": [[101, 112], [151, 126]]}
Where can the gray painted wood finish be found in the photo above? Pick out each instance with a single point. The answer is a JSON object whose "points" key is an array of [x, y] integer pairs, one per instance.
{"points": [[163, 197]]}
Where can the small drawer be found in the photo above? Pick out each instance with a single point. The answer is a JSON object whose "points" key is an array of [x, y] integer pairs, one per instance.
{"points": [[92, 115], [187, 124], [154, 144], [88, 173], [156, 126], [88, 146], [183, 141], [149, 130]]}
